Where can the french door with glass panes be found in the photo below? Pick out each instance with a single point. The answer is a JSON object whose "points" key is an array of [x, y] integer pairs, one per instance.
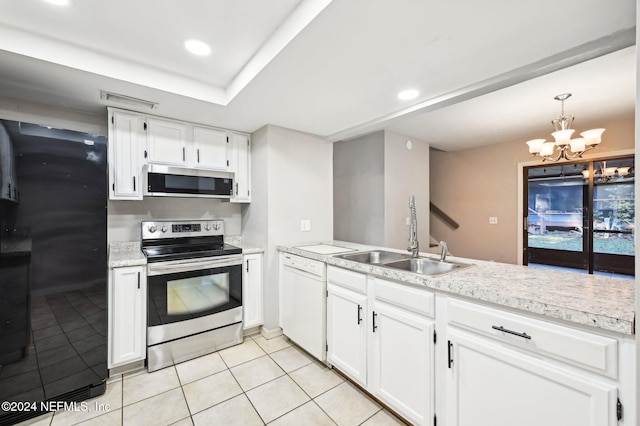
{"points": [[581, 215]]}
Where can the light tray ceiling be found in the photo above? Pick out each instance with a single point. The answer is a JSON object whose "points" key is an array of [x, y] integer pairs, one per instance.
{"points": [[333, 68]]}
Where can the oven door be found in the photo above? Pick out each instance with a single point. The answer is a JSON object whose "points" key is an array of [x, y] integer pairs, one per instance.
{"points": [[193, 295]]}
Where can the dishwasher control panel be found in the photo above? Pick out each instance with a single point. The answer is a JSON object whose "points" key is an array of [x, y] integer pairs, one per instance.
{"points": [[314, 267]]}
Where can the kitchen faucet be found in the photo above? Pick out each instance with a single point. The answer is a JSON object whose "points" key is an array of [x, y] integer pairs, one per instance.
{"points": [[445, 250], [413, 229]]}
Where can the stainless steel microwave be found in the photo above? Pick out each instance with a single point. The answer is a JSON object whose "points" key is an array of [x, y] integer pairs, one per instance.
{"points": [[166, 181]]}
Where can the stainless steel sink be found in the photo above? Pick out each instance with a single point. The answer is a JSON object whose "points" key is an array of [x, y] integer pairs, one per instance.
{"points": [[376, 257], [425, 266]]}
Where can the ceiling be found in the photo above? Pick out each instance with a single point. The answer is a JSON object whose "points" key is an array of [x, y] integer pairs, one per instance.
{"points": [[486, 71]]}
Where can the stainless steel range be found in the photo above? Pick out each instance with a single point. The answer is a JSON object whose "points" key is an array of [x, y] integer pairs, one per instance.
{"points": [[194, 290]]}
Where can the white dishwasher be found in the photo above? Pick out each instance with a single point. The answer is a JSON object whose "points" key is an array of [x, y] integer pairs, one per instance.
{"points": [[303, 303]]}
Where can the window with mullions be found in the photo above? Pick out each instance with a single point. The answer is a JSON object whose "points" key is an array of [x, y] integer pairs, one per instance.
{"points": [[581, 215]]}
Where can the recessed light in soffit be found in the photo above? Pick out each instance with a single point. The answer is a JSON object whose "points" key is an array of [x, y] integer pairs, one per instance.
{"points": [[59, 2], [407, 95], [197, 47]]}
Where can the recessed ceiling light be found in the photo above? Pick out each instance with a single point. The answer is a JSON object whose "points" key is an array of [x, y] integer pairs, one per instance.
{"points": [[59, 2], [197, 47], [406, 95]]}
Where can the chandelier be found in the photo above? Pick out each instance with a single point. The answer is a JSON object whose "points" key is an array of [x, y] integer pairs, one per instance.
{"points": [[564, 146]]}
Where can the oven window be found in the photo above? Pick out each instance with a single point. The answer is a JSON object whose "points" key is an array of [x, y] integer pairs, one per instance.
{"points": [[187, 295], [198, 294]]}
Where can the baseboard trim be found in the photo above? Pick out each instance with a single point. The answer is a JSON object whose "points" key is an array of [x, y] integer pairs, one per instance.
{"points": [[270, 334]]}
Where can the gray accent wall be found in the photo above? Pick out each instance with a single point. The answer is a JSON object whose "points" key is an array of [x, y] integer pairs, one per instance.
{"points": [[373, 177], [358, 190]]}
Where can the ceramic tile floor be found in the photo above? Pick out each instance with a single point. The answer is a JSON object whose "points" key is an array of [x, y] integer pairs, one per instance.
{"points": [[257, 382]]}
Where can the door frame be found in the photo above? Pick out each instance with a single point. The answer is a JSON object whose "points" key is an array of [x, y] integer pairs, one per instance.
{"points": [[522, 194]]}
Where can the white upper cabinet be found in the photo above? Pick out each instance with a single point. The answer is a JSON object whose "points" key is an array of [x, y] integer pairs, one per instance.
{"points": [[126, 136], [166, 142], [137, 139], [241, 168], [211, 149]]}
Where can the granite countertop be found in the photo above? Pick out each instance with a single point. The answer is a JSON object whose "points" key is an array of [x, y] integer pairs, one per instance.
{"points": [[598, 301], [126, 254]]}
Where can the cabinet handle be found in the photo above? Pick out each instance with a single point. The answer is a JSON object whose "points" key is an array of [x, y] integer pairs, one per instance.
{"points": [[134, 184], [236, 188], [9, 191], [359, 311], [374, 321], [198, 154], [515, 333], [138, 280], [184, 157], [247, 266], [450, 353]]}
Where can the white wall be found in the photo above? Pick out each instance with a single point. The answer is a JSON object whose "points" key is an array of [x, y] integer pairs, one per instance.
{"points": [[291, 180], [124, 217]]}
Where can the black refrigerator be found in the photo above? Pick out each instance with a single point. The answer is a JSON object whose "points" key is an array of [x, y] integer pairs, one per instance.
{"points": [[53, 268]]}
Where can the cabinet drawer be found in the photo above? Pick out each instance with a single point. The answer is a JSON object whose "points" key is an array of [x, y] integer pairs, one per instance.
{"points": [[414, 299], [354, 280], [579, 348]]}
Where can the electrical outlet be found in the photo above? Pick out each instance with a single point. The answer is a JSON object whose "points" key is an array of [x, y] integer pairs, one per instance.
{"points": [[493, 220], [305, 225]]}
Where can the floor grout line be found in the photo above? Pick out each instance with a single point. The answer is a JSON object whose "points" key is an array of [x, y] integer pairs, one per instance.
{"points": [[121, 382]]}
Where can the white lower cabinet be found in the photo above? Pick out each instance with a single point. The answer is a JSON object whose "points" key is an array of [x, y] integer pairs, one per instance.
{"points": [[252, 290], [402, 362], [376, 337], [486, 366], [504, 369], [493, 385], [127, 315], [347, 331]]}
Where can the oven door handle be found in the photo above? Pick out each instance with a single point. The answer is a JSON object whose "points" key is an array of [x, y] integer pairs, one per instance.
{"points": [[175, 266]]}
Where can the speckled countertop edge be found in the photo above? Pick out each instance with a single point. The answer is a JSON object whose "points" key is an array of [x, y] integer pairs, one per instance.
{"points": [[126, 254], [597, 301]]}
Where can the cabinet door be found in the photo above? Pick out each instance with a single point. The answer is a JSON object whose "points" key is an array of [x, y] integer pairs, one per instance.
{"points": [[402, 362], [347, 332], [211, 149], [489, 384], [127, 315], [166, 142], [242, 169], [125, 136], [252, 290]]}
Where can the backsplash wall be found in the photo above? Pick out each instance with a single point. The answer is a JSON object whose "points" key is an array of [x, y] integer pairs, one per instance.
{"points": [[124, 217]]}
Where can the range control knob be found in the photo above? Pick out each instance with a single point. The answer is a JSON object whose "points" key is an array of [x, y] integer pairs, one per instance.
{"points": [[164, 228], [216, 226], [152, 228], [207, 227]]}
